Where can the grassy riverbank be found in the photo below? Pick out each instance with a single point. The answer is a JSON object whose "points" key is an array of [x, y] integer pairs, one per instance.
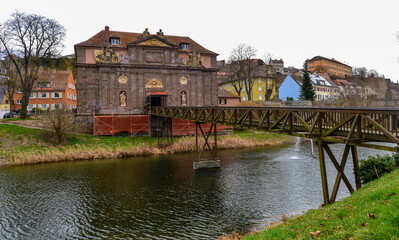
{"points": [[21, 145], [370, 213]]}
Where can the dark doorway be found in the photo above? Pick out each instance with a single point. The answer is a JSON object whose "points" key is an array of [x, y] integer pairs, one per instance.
{"points": [[158, 125], [156, 101]]}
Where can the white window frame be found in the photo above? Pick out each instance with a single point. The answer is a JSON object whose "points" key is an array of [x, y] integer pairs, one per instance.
{"points": [[53, 95], [115, 41], [243, 98], [74, 97], [41, 95], [184, 46], [32, 96], [69, 107], [31, 106], [69, 96], [46, 106], [19, 102], [259, 80], [260, 97], [260, 88], [47, 84], [53, 106]]}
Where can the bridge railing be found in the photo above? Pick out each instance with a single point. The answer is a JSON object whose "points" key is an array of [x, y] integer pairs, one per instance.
{"points": [[332, 124]]}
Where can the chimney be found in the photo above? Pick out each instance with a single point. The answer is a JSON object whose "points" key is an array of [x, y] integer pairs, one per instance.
{"points": [[106, 34]]}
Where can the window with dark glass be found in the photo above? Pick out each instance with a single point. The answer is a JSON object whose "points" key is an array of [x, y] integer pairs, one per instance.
{"points": [[184, 46], [115, 41]]}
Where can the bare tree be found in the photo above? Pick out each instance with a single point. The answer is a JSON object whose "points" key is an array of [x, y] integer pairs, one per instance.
{"points": [[270, 73], [267, 57], [372, 73], [361, 72], [60, 122], [242, 68], [27, 39], [10, 82]]}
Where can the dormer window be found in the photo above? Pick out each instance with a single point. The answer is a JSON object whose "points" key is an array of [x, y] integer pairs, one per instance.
{"points": [[184, 46], [44, 84], [114, 41]]}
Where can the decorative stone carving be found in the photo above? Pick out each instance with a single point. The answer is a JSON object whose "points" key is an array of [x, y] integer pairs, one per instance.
{"points": [[183, 97], [106, 55], [153, 42], [154, 83], [160, 34], [194, 60], [122, 79], [145, 34], [122, 99], [183, 80]]}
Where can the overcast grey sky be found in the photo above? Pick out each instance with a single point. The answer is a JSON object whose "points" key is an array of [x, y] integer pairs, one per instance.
{"points": [[356, 32]]}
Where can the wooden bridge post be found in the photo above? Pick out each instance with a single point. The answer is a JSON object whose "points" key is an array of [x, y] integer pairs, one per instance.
{"points": [[216, 141], [323, 172], [356, 167], [196, 141]]}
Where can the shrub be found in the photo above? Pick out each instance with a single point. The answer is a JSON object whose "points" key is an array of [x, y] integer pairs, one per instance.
{"points": [[61, 123], [383, 164]]}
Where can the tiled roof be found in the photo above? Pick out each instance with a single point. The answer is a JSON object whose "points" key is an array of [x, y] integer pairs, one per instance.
{"points": [[280, 79], [224, 93], [324, 58], [297, 79], [276, 61], [59, 80], [128, 37], [343, 82]]}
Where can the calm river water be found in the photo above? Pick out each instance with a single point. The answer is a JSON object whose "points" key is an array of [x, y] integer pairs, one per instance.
{"points": [[162, 197]]}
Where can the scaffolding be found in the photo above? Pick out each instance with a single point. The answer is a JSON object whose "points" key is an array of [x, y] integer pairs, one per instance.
{"points": [[111, 125]]}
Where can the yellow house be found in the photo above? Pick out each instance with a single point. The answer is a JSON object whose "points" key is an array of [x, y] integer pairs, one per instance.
{"points": [[4, 104], [262, 88]]}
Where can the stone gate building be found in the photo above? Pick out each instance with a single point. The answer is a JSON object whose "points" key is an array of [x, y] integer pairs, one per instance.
{"points": [[126, 73]]}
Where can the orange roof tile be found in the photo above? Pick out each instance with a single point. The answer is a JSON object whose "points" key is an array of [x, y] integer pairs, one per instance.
{"points": [[128, 37], [59, 80]]}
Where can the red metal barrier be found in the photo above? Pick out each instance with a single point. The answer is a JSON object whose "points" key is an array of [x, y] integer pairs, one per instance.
{"points": [[114, 124], [139, 124]]}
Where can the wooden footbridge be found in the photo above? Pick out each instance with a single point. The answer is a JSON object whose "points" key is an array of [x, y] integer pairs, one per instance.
{"points": [[365, 127]]}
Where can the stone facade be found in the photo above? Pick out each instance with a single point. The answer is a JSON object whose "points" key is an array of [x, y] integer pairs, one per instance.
{"points": [[142, 71]]}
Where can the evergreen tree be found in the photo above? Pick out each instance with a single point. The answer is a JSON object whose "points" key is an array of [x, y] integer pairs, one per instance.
{"points": [[307, 90]]}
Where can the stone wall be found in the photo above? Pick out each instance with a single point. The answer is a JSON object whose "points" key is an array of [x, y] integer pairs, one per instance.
{"points": [[99, 87]]}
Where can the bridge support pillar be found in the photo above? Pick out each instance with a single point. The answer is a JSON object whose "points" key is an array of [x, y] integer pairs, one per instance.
{"points": [[323, 172], [340, 169], [161, 127], [206, 163]]}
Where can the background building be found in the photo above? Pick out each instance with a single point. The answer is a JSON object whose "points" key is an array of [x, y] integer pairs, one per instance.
{"points": [[321, 64], [265, 86], [52, 90], [278, 65], [227, 99]]}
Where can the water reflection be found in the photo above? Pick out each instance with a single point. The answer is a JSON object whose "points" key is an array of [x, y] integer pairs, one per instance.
{"points": [[162, 197]]}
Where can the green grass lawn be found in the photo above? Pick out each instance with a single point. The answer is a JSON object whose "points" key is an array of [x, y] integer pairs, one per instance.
{"points": [[19, 142], [370, 213]]}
